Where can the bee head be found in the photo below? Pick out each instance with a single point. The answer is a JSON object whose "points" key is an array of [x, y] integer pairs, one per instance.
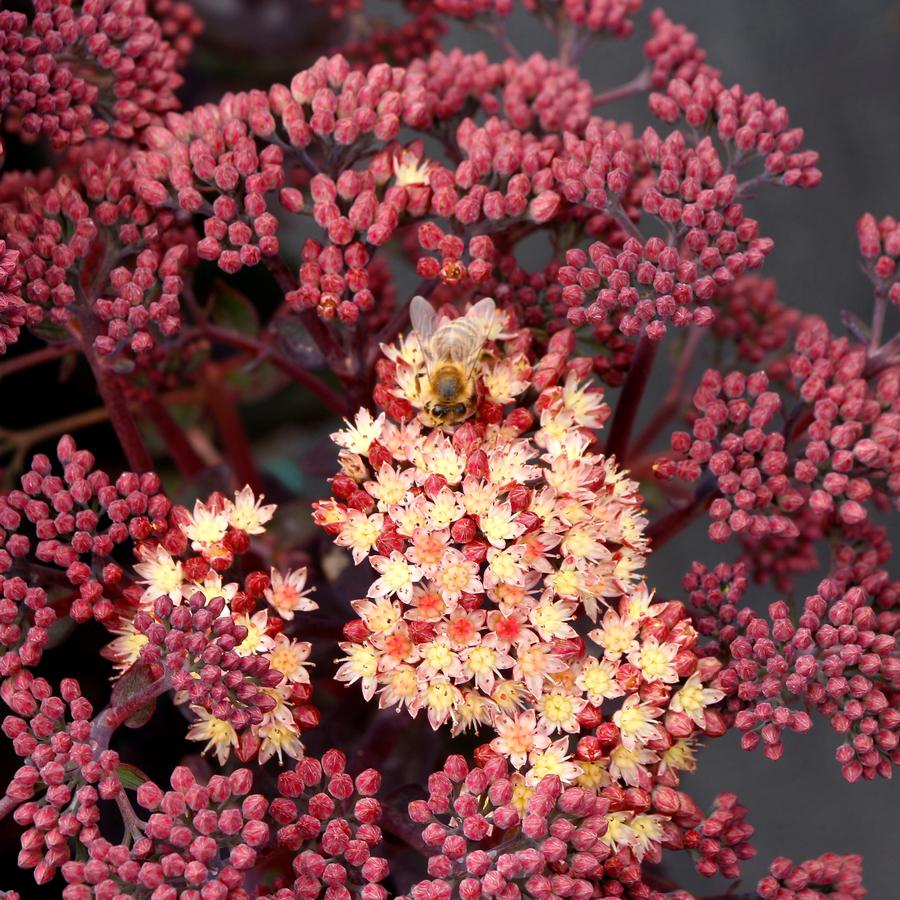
{"points": [[449, 413]]}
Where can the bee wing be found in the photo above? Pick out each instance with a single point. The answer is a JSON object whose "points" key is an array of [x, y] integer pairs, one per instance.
{"points": [[483, 310], [424, 323], [463, 338]]}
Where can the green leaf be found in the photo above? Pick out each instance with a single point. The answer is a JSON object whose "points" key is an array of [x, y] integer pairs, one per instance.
{"points": [[130, 776], [234, 311], [51, 332]]}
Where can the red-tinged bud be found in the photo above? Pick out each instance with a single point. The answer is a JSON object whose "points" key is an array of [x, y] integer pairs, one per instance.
{"points": [[237, 541], [466, 439], [655, 693], [490, 413], [379, 455], [665, 799], [421, 632], [589, 749], [248, 746], [307, 717], [519, 497], [685, 663], [476, 551], [343, 486], [463, 530], [219, 558], [520, 419], [484, 754], [242, 604], [637, 799], [569, 648], [356, 631], [196, 568], [607, 733], [628, 677], [678, 724], [543, 207], [433, 485], [715, 723], [477, 465], [362, 501], [590, 717], [256, 584]]}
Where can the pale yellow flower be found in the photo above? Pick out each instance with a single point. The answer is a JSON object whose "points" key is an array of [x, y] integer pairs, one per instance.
{"points": [[288, 593], [246, 512], [219, 734]]}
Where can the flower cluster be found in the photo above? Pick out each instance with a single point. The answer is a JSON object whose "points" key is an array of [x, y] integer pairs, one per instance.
{"points": [[245, 681], [852, 440], [827, 875], [838, 658], [733, 439], [211, 836], [500, 538], [879, 246], [58, 788], [79, 71], [66, 230], [754, 126], [71, 524]]}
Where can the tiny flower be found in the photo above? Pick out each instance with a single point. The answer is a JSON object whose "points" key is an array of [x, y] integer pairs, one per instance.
{"points": [[246, 512], [256, 641], [358, 437], [219, 734], [161, 573], [205, 527], [397, 576], [655, 660], [288, 593], [517, 736], [360, 664], [409, 169], [552, 760], [290, 658], [693, 698], [635, 721]]}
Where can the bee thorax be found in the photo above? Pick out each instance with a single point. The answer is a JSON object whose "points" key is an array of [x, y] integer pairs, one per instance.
{"points": [[448, 384]]}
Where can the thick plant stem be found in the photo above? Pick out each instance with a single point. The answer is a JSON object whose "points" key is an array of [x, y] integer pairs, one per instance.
{"points": [[673, 398], [36, 358], [222, 404], [109, 719], [183, 454], [669, 525], [120, 416], [638, 85], [295, 372], [630, 399]]}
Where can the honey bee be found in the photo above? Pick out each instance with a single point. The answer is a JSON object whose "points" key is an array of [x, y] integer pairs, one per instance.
{"points": [[451, 351]]}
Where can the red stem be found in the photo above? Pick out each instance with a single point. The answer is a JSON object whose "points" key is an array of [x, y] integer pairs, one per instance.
{"points": [[231, 429], [295, 372], [36, 358], [638, 85], [673, 397], [113, 396], [667, 526], [630, 399], [112, 717], [183, 454]]}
